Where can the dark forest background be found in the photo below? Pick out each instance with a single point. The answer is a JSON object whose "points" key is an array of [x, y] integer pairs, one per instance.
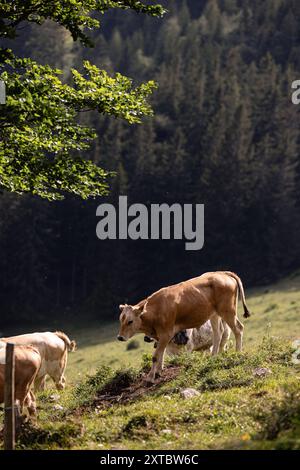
{"points": [[225, 134]]}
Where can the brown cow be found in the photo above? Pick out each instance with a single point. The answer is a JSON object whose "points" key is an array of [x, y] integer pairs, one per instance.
{"points": [[53, 348], [188, 304], [27, 365]]}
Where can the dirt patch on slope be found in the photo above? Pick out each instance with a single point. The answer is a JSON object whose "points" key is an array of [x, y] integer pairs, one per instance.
{"points": [[118, 392]]}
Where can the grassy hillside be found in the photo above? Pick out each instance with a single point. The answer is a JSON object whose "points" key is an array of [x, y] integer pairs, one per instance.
{"points": [[106, 404]]}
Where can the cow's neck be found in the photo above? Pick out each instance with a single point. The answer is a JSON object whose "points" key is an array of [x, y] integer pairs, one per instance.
{"points": [[148, 329]]}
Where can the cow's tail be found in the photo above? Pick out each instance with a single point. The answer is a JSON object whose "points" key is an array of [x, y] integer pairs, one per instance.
{"points": [[247, 314], [71, 345]]}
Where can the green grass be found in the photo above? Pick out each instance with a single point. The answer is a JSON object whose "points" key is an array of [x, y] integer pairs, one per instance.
{"points": [[235, 408]]}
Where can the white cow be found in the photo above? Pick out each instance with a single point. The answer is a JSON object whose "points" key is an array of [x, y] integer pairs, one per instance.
{"points": [[198, 339], [53, 348]]}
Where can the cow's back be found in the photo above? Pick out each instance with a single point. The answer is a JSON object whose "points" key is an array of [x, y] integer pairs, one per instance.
{"points": [[190, 303], [178, 302]]}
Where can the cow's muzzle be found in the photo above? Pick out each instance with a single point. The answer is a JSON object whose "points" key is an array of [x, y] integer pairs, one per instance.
{"points": [[121, 338]]}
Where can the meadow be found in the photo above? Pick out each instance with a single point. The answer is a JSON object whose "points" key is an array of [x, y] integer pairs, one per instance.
{"points": [[244, 401]]}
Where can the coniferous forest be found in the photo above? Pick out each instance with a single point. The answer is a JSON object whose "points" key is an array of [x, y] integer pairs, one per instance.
{"points": [[225, 134]]}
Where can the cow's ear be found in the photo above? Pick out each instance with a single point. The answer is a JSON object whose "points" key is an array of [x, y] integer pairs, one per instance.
{"points": [[121, 306], [142, 312], [138, 310]]}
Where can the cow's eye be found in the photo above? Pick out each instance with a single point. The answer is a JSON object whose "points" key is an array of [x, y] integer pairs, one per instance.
{"points": [[130, 321]]}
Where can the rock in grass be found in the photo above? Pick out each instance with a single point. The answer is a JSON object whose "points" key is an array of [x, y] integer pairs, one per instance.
{"points": [[189, 393], [262, 372], [54, 397], [58, 407]]}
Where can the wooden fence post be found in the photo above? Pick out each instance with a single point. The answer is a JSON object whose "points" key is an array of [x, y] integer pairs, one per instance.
{"points": [[9, 398]]}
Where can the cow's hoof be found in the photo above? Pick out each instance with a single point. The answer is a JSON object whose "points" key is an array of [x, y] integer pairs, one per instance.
{"points": [[157, 375], [149, 381], [148, 384]]}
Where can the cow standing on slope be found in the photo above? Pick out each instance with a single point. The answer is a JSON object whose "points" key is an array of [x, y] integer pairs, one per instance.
{"points": [[53, 348], [27, 365], [188, 304]]}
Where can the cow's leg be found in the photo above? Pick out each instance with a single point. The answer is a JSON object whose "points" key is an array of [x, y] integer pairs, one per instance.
{"points": [[160, 362], [225, 335], [22, 402], [58, 371], [215, 324], [30, 403], [60, 381], [237, 328], [18, 415], [157, 358], [43, 383], [63, 367], [63, 381], [190, 343], [40, 383], [17, 409], [227, 310], [59, 385]]}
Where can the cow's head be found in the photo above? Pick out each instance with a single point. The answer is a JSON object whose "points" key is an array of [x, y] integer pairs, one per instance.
{"points": [[130, 320]]}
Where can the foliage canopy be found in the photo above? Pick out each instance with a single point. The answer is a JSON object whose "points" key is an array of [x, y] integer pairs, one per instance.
{"points": [[41, 138]]}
